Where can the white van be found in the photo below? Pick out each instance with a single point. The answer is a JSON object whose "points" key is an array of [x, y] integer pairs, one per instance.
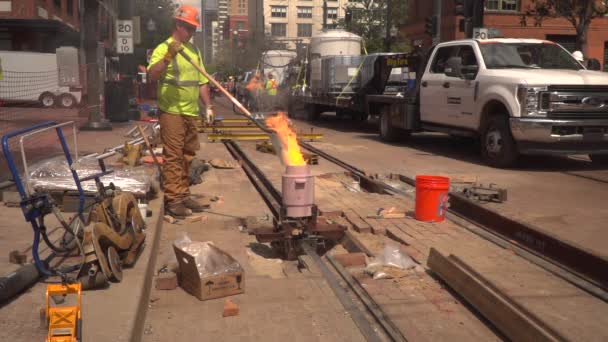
{"points": [[33, 77]]}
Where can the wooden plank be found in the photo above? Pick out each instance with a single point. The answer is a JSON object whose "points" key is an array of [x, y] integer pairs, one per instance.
{"points": [[503, 312], [358, 224]]}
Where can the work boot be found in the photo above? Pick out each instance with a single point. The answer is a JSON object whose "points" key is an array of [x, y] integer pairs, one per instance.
{"points": [[177, 210], [195, 205]]}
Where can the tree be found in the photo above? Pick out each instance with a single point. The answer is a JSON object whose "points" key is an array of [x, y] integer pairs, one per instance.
{"points": [[161, 13], [368, 19], [579, 13]]}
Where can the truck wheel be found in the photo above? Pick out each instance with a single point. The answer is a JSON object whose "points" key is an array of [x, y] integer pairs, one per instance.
{"points": [[47, 100], [67, 101], [498, 147], [599, 159], [312, 113], [387, 131]]}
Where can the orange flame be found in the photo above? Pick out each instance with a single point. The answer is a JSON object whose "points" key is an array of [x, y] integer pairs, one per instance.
{"points": [[290, 150]]}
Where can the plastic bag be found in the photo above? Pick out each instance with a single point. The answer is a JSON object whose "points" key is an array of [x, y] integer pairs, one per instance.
{"points": [[390, 264], [394, 256], [54, 174], [209, 260]]}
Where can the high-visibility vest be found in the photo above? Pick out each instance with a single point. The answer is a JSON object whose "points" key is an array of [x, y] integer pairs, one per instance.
{"points": [[271, 87], [178, 91]]}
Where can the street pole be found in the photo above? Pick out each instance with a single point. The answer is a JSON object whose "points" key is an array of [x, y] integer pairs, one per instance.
{"points": [[437, 38], [387, 39], [90, 45], [478, 7]]}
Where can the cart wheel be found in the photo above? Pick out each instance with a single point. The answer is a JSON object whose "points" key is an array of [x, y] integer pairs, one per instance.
{"points": [[114, 263]]}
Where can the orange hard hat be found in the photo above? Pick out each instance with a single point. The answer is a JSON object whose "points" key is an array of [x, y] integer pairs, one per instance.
{"points": [[188, 14]]}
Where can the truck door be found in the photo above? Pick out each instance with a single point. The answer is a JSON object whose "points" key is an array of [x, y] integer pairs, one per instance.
{"points": [[433, 94], [461, 92]]}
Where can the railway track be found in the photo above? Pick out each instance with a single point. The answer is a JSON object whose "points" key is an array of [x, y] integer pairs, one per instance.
{"points": [[373, 324], [566, 260]]}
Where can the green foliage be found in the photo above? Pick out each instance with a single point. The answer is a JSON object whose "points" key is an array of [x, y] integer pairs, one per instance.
{"points": [[161, 12], [579, 13], [369, 21]]}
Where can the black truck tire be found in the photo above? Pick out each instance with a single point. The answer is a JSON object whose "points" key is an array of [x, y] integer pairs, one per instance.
{"points": [[498, 148], [312, 112], [390, 133]]}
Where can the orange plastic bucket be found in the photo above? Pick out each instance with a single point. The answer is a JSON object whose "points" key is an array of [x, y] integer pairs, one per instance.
{"points": [[431, 198]]}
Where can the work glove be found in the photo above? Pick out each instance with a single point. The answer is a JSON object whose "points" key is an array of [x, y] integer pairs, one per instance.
{"points": [[174, 48], [209, 115]]}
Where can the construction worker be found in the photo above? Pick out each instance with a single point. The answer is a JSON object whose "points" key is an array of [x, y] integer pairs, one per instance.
{"points": [[254, 87], [271, 91], [180, 87]]}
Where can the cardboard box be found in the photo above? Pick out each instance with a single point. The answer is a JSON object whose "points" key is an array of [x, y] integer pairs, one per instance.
{"points": [[204, 288]]}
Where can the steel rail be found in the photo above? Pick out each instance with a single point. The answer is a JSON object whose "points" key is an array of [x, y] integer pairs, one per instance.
{"points": [[271, 196], [273, 199], [365, 180], [584, 269]]}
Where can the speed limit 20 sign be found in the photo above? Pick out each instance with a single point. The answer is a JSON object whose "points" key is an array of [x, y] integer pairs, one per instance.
{"points": [[124, 36]]}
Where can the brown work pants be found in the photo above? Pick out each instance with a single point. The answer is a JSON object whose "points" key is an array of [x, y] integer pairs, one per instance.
{"points": [[179, 136]]}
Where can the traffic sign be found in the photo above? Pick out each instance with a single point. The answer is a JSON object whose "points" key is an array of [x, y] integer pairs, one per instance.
{"points": [[480, 33], [124, 28], [124, 36], [124, 45]]}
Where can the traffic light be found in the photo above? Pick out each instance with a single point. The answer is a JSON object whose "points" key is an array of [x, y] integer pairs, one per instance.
{"points": [[431, 25], [463, 8]]}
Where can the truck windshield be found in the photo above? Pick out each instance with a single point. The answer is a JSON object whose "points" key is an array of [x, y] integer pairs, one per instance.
{"points": [[527, 56]]}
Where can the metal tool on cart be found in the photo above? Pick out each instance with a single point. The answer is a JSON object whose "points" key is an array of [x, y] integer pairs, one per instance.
{"points": [[106, 234]]}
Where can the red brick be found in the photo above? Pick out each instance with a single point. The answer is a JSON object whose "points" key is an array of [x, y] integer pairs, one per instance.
{"points": [[166, 281], [16, 257], [351, 259], [230, 309]]}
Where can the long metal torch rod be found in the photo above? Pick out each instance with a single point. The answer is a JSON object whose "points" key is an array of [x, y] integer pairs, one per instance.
{"points": [[239, 105]]}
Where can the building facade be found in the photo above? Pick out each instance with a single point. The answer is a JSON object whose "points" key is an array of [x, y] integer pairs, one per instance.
{"points": [[289, 22], [238, 19], [44, 25], [508, 17], [37, 25]]}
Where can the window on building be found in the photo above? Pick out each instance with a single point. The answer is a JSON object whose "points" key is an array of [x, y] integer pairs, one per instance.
{"points": [[57, 4], [278, 30], [332, 13], [240, 25], [304, 30], [304, 12], [278, 11], [6, 41], [502, 5]]}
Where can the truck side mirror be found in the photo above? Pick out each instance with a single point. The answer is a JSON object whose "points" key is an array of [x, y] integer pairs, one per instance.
{"points": [[453, 67]]}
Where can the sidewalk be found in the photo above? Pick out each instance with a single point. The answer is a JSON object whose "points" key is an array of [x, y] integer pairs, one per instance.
{"points": [[108, 315]]}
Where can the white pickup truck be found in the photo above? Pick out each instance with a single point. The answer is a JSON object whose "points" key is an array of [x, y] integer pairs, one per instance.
{"points": [[518, 96]]}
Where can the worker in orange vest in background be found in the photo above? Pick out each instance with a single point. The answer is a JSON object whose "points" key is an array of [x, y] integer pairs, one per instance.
{"points": [[255, 87]]}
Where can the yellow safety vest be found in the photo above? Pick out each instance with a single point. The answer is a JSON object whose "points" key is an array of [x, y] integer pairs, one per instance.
{"points": [[271, 87], [178, 91]]}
